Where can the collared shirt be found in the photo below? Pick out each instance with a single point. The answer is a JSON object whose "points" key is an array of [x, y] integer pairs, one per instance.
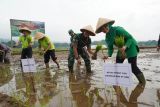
{"points": [[25, 40], [131, 44]]}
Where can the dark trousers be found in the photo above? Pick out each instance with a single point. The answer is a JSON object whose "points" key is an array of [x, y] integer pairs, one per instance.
{"points": [[1, 58], [48, 54], [133, 62], [26, 53]]}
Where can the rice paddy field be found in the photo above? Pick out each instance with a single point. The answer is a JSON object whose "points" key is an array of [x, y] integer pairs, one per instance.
{"points": [[58, 88]]}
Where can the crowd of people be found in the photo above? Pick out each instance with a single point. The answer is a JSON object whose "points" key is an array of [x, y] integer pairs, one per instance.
{"points": [[80, 46]]}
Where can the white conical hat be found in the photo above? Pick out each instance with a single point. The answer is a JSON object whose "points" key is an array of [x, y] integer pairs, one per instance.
{"points": [[88, 29], [24, 29], [101, 22], [39, 35]]}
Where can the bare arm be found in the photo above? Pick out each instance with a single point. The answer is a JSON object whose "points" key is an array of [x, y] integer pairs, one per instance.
{"points": [[90, 50], [17, 43], [49, 46]]}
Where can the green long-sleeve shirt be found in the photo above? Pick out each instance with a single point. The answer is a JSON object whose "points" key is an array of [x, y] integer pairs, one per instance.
{"points": [[131, 44]]}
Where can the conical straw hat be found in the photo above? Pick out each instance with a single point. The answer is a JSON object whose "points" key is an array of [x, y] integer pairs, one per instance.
{"points": [[101, 22], [24, 29], [39, 35], [88, 29]]}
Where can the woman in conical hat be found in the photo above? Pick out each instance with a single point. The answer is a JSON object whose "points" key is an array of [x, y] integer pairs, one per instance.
{"points": [[127, 45], [48, 48], [26, 41], [81, 46]]}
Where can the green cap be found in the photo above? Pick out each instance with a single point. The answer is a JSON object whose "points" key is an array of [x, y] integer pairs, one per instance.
{"points": [[70, 32]]}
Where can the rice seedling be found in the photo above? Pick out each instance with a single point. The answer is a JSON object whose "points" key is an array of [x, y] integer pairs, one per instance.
{"points": [[119, 41], [98, 48]]}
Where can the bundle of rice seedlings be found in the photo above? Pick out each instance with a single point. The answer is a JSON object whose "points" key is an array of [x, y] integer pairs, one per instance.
{"points": [[98, 48], [119, 41]]}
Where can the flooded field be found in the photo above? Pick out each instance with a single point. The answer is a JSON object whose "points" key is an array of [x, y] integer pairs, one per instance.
{"points": [[58, 88]]}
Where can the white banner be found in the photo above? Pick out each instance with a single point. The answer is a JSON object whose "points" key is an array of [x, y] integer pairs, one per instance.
{"points": [[28, 65], [118, 74]]}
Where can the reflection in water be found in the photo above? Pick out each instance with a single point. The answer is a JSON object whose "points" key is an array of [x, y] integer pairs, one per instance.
{"points": [[5, 74], [7, 101], [47, 88], [56, 88], [84, 94], [79, 89], [30, 93], [133, 97], [33, 91]]}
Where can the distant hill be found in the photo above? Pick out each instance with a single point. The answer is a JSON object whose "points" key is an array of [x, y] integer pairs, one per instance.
{"points": [[148, 43]]}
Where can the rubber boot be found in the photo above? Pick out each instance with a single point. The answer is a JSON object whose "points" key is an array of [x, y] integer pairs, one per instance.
{"points": [[141, 78], [70, 69], [88, 69]]}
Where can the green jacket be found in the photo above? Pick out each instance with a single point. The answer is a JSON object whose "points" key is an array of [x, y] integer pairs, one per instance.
{"points": [[131, 44]]}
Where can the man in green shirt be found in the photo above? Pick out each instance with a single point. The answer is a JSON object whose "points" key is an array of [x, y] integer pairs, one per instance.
{"points": [[81, 44], [127, 45], [47, 47], [26, 41]]}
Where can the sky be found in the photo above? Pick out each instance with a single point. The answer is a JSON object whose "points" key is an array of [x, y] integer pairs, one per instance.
{"points": [[141, 18]]}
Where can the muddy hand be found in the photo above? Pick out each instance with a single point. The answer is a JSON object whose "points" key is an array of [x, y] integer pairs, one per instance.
{"points": [[105, 58], [123, 49], [94, 57], [79, 62]]}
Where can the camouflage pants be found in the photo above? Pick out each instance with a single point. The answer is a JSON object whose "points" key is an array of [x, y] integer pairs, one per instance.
{"points": [[85, 57]]}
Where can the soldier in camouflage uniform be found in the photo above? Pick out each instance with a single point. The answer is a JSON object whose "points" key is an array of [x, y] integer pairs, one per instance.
{"points": [[81, 43], [71, 53]]}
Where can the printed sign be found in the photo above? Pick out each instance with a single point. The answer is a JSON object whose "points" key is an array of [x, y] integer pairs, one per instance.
{"points": [[28, 65], [118, 74], [34, 26]]}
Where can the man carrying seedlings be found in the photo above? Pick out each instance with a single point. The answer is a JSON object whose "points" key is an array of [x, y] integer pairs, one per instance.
{"points": [[82, 44], [46, 48], [26, 41], [71, 53], [127, 45], [5, 53]]}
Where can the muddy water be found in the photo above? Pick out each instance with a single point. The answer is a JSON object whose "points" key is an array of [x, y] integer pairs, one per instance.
{"points": [[58, 88]]}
